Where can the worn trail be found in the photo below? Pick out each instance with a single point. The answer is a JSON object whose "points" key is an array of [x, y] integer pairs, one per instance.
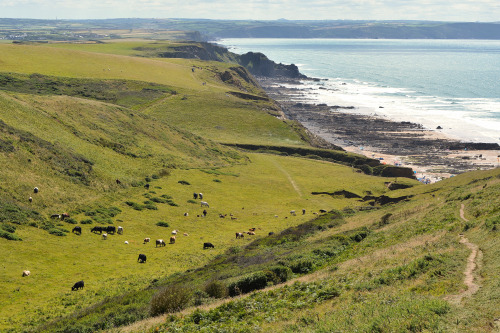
{"points": [[472, 263]]}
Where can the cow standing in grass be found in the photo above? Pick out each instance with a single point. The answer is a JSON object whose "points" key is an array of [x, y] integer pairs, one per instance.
{"points": [[142, 258], [78, 285]]}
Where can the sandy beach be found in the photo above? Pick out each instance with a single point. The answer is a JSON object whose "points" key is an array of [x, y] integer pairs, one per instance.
{"points": [[431, 154]]}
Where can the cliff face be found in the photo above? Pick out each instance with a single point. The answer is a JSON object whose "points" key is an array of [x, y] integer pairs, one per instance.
{"points": [[256, 63]]}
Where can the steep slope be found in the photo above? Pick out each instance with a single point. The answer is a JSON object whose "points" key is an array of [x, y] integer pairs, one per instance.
{"points": [[396, 268]]}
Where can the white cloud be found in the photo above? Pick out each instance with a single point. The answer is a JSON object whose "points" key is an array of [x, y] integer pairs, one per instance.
{"points": [[460, 10]]}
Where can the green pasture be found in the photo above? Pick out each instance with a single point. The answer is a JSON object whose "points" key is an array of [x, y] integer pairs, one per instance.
{"points": [[253, 193]]}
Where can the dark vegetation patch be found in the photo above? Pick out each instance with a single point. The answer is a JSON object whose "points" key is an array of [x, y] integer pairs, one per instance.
{"points": [[99, 214], [364, 164], [163, 224], [61, 159], [121, 92]]}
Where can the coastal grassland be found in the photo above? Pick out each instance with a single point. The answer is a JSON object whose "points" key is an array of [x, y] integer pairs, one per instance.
{"points": [[198, 101], [254, 193], [399, 276]]}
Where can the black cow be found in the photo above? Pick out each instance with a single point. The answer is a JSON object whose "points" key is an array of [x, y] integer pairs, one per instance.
{"points": [[204, 212], [77, 229], [97, 229], [35, 190], [271, 233], [208, 245], [142, 258], [110, 229], [322, 210], [195, 195], [78, 285]]}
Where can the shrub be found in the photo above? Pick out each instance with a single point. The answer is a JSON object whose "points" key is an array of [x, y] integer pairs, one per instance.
{"points": [[57, 232], [183, 182], [384, 220], [217, 180], [302, 266], [150, 206], [87, 221], [366, 169], [8, 228], [282, 272], [170, 299], [147, 179], [71, 221], [135, 205], [155, 176], [216, 289], [192, 201], [255, 281], [162, 224], [9, 236]]}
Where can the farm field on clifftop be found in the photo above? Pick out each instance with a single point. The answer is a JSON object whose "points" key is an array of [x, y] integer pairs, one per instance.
{"points": [[253, 193], [201, 103]]}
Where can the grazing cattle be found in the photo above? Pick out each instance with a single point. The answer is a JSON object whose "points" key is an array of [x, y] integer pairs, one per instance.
{"points": [[271, 233], [239, 235], [221, 216], [78, 285], [174, 232], [77, 229], [160, 242], [322, 211], [204, 203], [142, 258], [251, 233], [186, 214], [111, 229], [172, 239], [186, 234], [64, 215], [55, 216], [146, 186], [26, 273], [96, 229], [292, 212], [119, 231], [195, 195], [147, 240], [251, 229], [303, 212], [208, 245], [104, 236], [204, 213], [118, 182], [30, 199], [126, 242], [35, 190], [200, 196]]}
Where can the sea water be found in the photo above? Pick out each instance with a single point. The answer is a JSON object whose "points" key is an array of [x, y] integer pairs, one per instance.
{"points": [[453, 84]]}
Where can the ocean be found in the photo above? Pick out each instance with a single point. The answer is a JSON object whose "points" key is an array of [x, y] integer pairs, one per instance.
{"points": [[454, 84]]}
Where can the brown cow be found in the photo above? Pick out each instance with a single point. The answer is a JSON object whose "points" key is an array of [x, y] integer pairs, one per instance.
{"points": [[147, 240], [172, 239], [251, 233]]}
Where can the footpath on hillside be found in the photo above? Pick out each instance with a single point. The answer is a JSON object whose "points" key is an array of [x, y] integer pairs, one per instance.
{"points": [[472, 263]]}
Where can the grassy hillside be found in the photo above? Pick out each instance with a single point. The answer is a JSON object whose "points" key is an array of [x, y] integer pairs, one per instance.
{"points": [[73, 122]]}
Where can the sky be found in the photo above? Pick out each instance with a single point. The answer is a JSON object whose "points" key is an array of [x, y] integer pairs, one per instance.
{"points": [[438, 10]]}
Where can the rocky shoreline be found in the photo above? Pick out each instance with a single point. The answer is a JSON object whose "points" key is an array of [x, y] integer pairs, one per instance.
{"points": [[430, 153]]}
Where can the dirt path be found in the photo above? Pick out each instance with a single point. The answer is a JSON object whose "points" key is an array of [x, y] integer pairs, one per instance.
{"points": [[290, 179], [473, 260]]}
